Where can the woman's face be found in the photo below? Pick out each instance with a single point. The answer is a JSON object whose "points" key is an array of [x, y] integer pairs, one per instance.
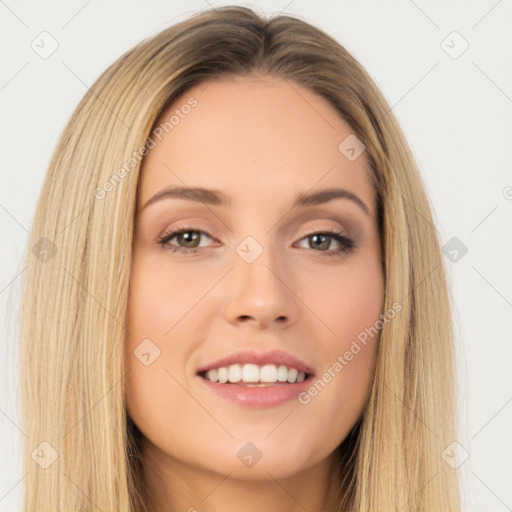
{"points": [[255, 287]]}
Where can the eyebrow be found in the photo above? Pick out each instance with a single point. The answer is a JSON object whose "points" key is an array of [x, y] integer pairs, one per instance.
{"points": [[218, 198]]}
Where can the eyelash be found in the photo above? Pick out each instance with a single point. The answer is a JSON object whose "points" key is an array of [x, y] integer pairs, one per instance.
{"points": [[347, 244]]}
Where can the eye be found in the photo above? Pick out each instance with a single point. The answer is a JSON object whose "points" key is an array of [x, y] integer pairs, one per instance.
{"points": [[322, 240], [187, 238]]}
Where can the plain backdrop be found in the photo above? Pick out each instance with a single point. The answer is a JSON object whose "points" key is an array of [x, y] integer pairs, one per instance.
{"points": [[444, 67]]}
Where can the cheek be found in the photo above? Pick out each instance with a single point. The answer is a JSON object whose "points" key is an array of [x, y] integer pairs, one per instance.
{"points": [[162, 298], [349, 307], [164, 306], [153, 309], [155, 365], [345, 301]]}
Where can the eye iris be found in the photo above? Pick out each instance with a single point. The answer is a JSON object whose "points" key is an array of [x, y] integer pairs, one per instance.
{"points": [[189, 237], [324, 244]]}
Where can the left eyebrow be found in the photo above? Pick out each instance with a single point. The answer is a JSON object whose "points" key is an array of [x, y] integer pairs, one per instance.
{"points": [[324, 196], [219, 198]]}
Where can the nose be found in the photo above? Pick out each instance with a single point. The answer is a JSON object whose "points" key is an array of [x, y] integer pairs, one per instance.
{"points": [[261, 294]]}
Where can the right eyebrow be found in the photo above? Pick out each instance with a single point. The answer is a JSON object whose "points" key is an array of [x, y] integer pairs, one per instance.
{"points": [[199, 194]]}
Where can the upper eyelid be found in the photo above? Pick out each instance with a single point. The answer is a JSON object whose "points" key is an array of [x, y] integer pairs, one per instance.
{"points": [[192, 227], [346, 219], [172, 232]]}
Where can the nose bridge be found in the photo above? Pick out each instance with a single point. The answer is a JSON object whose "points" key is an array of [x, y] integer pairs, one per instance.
{"points": [[257, 264], [261, 290]]}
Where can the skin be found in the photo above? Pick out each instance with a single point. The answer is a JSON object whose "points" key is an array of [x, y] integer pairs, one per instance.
{"points": [[262, 142]]}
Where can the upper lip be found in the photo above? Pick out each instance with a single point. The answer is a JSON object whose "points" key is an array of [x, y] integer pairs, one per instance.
{"points": [[277, 357]]}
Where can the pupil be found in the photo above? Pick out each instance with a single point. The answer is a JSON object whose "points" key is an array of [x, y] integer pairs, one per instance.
{"points": [[190, 237], [323, 244]]}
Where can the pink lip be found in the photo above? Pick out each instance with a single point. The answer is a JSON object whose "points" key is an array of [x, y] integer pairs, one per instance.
{"points": [[277, 357], [257, 397], [252, 396]]}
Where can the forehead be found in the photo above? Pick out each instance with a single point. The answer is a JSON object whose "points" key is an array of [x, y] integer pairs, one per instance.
{"points": [[253, 137]]}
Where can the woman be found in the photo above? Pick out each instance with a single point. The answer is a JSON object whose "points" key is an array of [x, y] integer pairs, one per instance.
{"points": [[236, 298]]}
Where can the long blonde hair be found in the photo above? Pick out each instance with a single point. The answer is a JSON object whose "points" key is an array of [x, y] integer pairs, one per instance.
{"points": [[74, 303]]}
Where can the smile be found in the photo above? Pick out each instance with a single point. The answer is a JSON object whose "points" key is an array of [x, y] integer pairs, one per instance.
{"points": [[254, 375], [255, 379]]}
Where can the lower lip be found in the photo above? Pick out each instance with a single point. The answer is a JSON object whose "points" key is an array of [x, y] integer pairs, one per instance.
{"points": [[253, 396]]}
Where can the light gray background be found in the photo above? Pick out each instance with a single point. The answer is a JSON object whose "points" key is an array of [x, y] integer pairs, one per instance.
{"points": [[456, 113]]}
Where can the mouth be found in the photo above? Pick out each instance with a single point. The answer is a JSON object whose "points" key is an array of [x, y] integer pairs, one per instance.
{"points": [[256, 379], [254, 375]]}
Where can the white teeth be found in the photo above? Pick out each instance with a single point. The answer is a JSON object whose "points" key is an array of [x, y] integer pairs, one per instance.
{"points": [[282, 374], [223, 374], [235, 373], [252, 373], [212, 375], [292, 375], [268, 373]]}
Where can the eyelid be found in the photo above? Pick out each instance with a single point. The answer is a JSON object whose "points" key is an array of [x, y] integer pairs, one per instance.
{"points": [[192, 226], [176, 230], [340, 235], [328, 227]]}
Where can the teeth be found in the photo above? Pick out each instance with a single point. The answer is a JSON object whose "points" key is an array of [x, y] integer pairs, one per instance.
{"points": [[269, 373], [292, 375], [235, 373], [282, 374], [223, 374], [212, 375], [252, 373]]}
